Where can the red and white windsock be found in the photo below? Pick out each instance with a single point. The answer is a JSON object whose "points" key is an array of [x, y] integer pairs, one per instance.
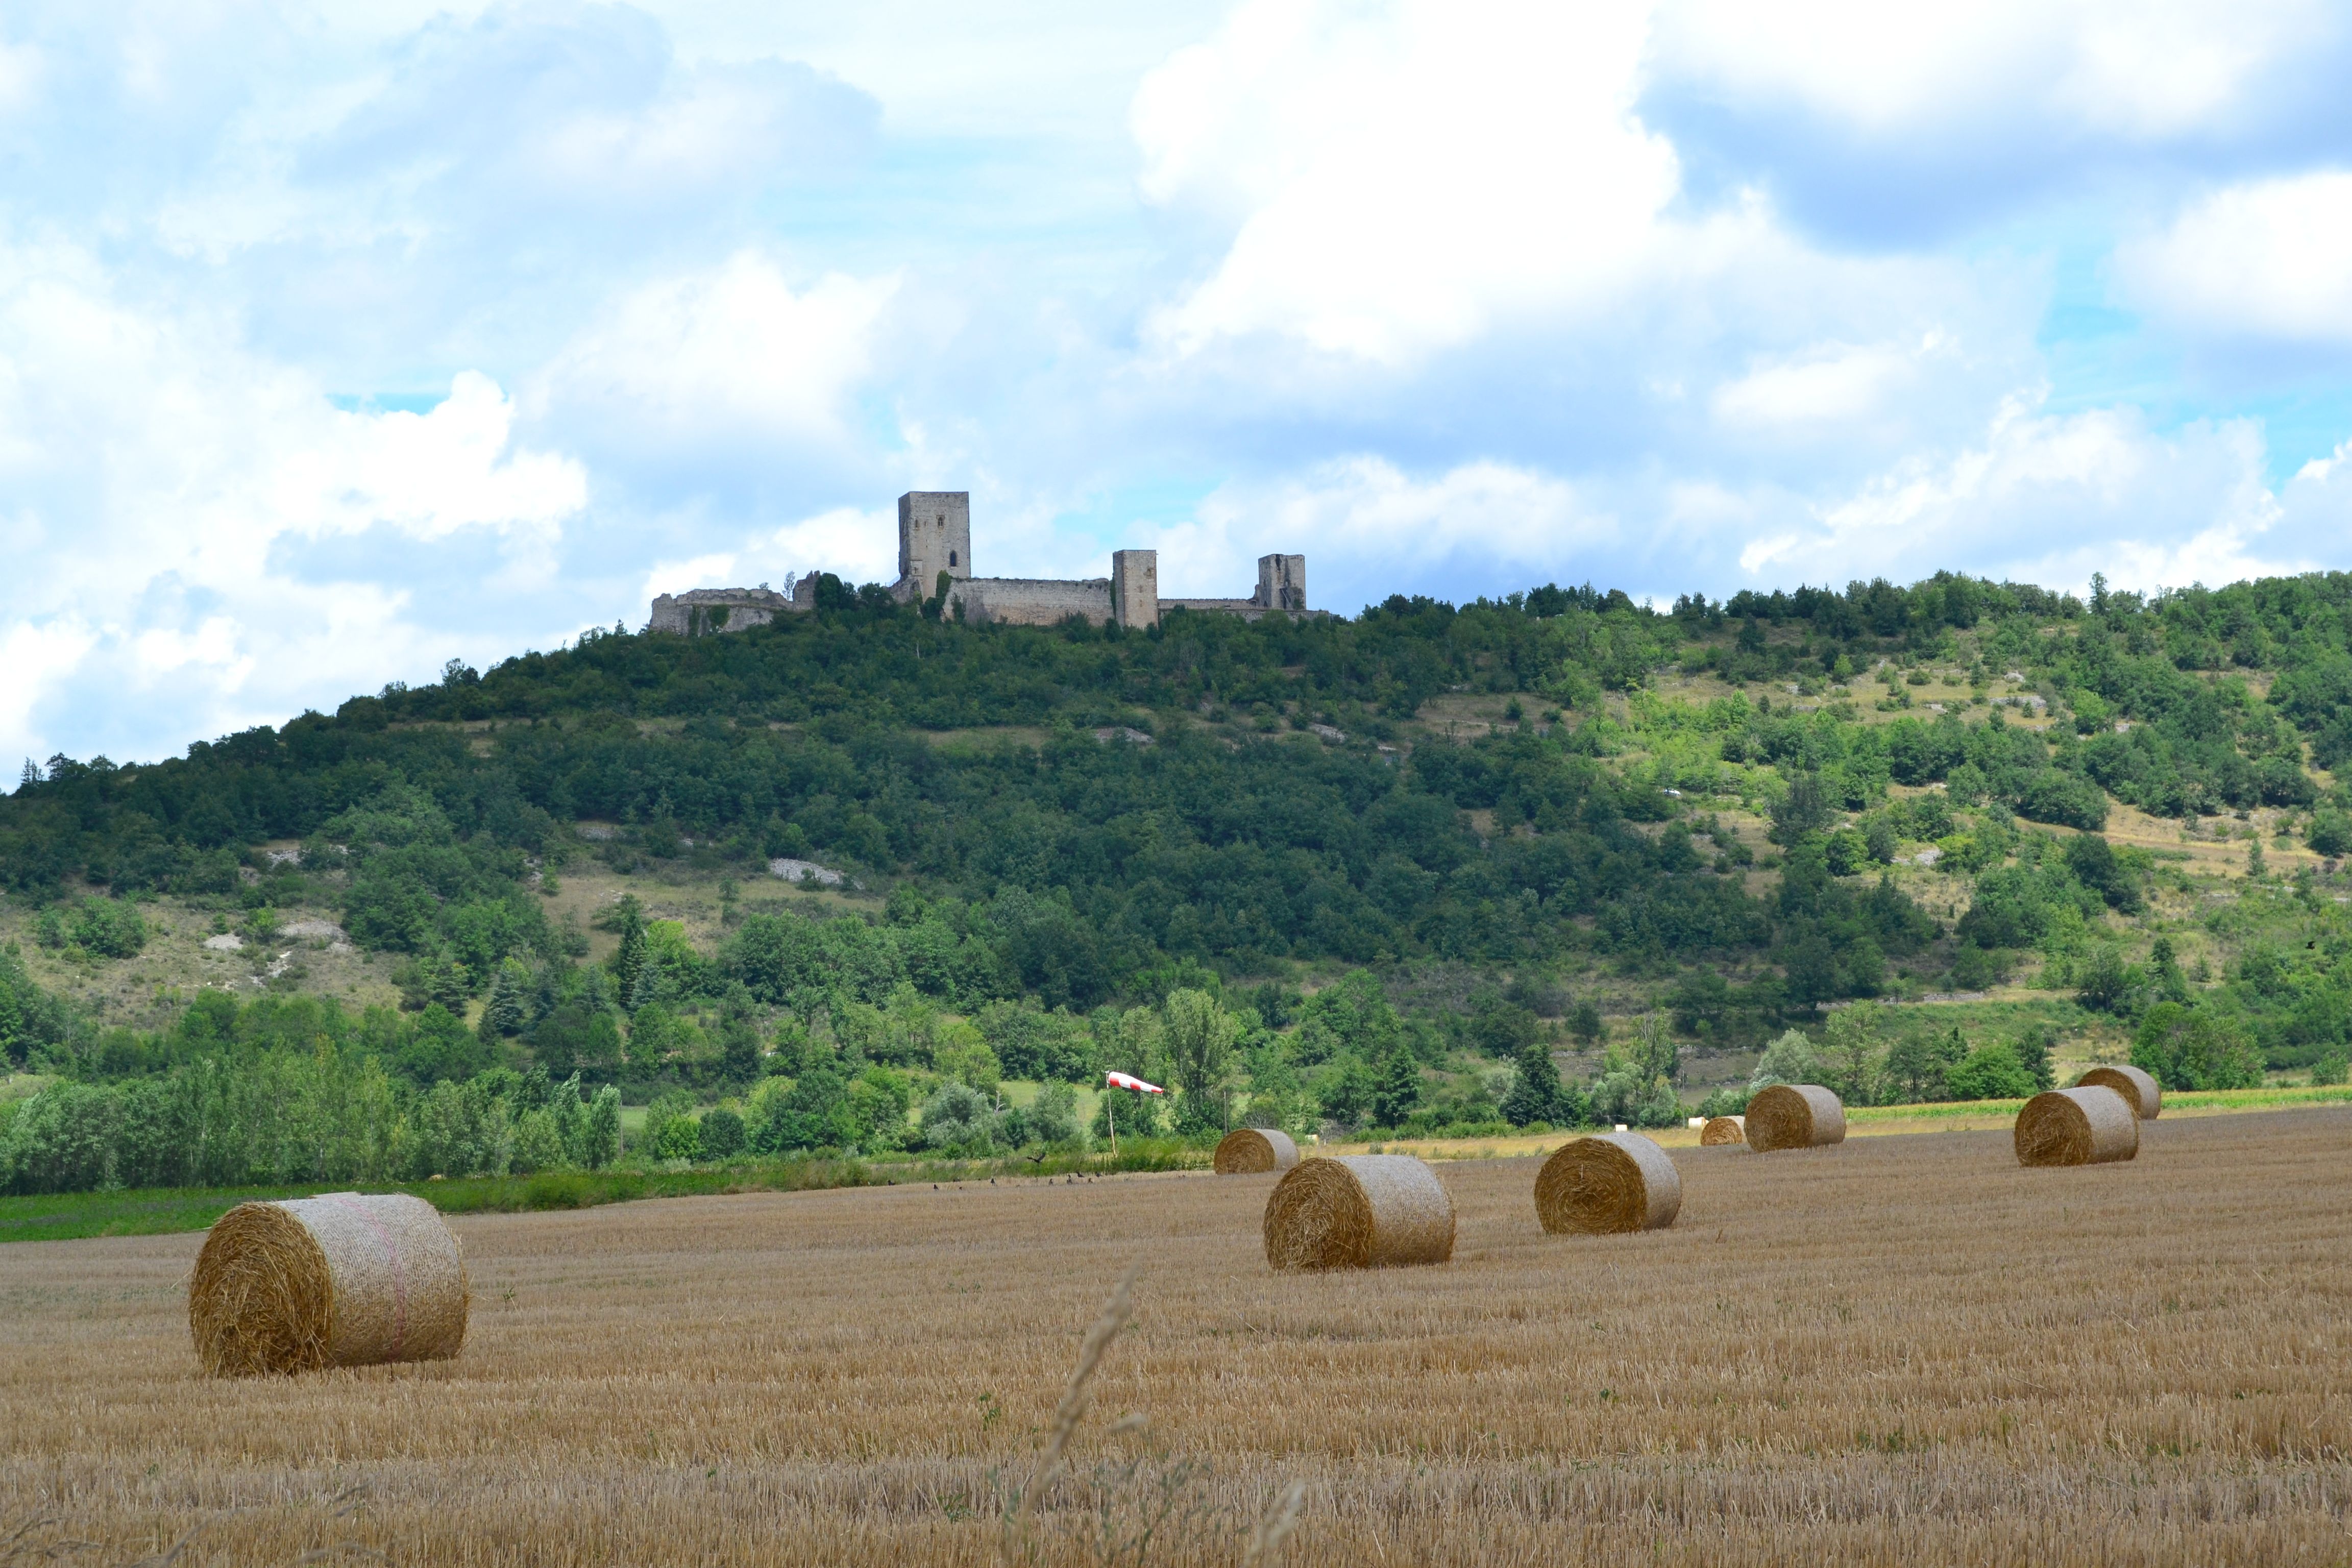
{"points": [[1129, 1081]]}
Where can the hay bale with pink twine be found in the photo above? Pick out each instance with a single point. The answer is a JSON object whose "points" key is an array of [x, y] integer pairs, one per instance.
{"points": [[2134, 1084], [1720, 1130], [1794, 1116], [1252, 1150], [1608, 1185], [2086, 1125], [1359, 1211], [336, 1280]]}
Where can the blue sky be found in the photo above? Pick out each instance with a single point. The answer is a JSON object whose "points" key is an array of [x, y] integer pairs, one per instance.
{"points": [[337, 340]]}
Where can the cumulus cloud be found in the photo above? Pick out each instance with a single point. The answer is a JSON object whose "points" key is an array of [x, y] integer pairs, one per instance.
{"points": [[1370, 529], [2051, 499], [2129, 69], [1403, 175], [719, 358], [1827, 385], [857, 546], [166, 486], [2265, 258]]}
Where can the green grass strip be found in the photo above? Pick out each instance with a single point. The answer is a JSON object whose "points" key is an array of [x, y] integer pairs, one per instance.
{"points": [[73, 1216]]}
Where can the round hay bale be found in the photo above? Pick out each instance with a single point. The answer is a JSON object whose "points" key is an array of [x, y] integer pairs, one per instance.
{"points": [[1722, 1130], [1248, 1151], [2083, 1126], [2138, 1086], [1793, 1116], [1608, 1185], [1361, 1211], [335, 1280]]}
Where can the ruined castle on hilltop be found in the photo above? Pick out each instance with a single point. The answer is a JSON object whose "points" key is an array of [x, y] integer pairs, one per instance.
{"points": [[934, 561]]}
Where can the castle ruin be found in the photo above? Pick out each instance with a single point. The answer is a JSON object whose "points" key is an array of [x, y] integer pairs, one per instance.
{"points": [[935, 562]]}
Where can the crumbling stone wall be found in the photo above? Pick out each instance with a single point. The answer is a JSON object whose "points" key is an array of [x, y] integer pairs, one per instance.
{"points": [[1281, 582], [1031, 601], [700, 611]]}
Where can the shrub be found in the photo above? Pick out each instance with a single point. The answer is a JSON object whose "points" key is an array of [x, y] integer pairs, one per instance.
{"points": [[1053, 1117], [1991, 1072], [1978, 968], [2330, 834], [958, 1116], [1788, 1059], [110, 927], [2195, 1047]]}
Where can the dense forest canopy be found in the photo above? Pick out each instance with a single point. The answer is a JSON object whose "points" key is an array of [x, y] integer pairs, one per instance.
{"points": [[1072, 822]]}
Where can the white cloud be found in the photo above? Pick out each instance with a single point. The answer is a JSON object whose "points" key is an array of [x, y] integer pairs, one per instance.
{"points": [[718, 358], [1363, 522], [2121, 68], [166, 483], [20, 76], [2268, 259], [855, 545], [1829, 384], [2051, 499], [1403, 174]]}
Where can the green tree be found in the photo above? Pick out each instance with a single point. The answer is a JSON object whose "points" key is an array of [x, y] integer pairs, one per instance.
{"points": [[1852, 1052], [1790, 1058], [1198, 1035], [2195, 1047], [1536, 1093], [1991, 1072], [738, 1050], [722, 1133], [600, 1139], [2033, 1055], [629, 972], [570, 1115], [507, 1010], [1397, 1094]]}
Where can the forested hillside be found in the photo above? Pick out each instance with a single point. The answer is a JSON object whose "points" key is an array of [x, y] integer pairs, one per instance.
{"points": [[1559, 830]]}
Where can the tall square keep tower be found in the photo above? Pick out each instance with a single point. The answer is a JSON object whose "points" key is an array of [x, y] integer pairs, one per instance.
{"points": [[934, 536]]}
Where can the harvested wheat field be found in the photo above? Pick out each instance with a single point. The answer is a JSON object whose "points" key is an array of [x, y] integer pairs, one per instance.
{"points": [[1895, 1348]]}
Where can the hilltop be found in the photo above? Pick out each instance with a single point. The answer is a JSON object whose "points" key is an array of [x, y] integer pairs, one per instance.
{"points": [[1404, 854]]}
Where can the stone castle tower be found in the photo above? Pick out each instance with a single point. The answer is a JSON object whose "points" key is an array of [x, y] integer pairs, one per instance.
{"points": [[934, 536]]}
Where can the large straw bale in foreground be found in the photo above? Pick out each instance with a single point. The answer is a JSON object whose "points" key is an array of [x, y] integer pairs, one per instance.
{"points": [[1722, 1130], [2134, 1084], [334, 1281], [1248, 1151], [1362, 1211], [1794, 1116], [2089, 1125], [1608, 1185]]}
